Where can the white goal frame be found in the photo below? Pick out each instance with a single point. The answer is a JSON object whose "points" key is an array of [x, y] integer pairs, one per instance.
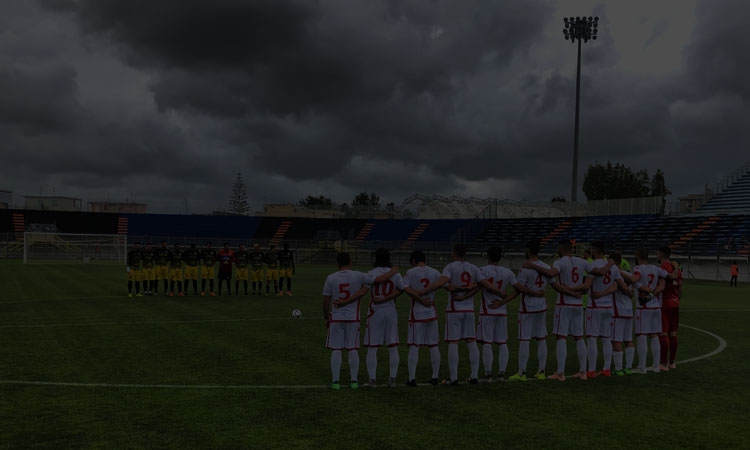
{"points": [[40, 246]]}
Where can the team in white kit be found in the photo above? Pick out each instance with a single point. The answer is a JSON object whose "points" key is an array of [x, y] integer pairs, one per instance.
{"points": [[608, 315]]}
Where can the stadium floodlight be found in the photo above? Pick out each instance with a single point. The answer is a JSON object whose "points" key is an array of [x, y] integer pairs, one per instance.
{"points": [[578, 29]]}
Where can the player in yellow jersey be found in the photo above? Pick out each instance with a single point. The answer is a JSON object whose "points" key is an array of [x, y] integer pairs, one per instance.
{"points": [[175, 271], [135, 255], [148, 274], [191, 257], [241, 263], [286, 269], [272, 270], [163, 256], [208, 261], [257, 259]]}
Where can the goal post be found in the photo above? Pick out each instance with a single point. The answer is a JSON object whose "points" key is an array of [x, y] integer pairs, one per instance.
{"points": [[39, 246]]}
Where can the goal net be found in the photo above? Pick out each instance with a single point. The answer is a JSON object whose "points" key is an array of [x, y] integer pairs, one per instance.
{"points": [[87, 248]]}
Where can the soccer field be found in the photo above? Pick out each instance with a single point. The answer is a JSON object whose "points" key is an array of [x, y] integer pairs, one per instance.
{"points": [[84, 366]]}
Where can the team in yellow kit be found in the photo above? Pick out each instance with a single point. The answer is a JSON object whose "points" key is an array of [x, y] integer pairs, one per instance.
{"points": [[180, 268]]}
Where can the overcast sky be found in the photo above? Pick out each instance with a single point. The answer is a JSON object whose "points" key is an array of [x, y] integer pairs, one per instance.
{"points": [[165, 101]]}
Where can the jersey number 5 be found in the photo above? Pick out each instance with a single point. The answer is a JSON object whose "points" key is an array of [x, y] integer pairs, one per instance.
{"points": [[344, 292]]}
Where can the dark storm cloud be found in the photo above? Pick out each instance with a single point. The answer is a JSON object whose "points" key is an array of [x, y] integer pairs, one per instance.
{"points": [[717, 55], [315, 84], [712, 116], [193, 33], [337, 97], [40, 100]]}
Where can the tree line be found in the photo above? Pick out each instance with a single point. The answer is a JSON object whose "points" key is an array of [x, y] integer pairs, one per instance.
{"points": [[601, 182], [364, 201], [610, 182]]}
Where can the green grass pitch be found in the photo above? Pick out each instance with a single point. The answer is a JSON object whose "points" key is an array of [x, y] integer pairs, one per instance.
{"points": [[84, 366]]}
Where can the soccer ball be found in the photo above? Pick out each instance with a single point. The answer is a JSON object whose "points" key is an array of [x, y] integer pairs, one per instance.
{"points": [[296, 314]]}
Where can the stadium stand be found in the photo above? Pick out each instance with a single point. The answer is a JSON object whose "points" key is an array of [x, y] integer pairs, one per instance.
{"points": [[716, 235], [17, 221], [618, 231], [417, 233], [445, 230], [512, 234], [733, 196], [454, 207], [187, 228], [306, 229]]}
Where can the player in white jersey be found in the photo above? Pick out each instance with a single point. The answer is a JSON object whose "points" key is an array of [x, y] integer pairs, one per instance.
{"points": [[622, 321], [532, 313], [382, 319], [649, 280], [602, 286], [423, 324], [342, 292], [567, 277], [460, 278], [493, 314]]}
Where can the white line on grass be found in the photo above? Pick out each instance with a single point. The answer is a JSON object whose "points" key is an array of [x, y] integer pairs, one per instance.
{"points": [[153, 322], [717, 350], [155, 386], [56, 299], [714, 310], [121, 297], [147, 322], [255, 319]]}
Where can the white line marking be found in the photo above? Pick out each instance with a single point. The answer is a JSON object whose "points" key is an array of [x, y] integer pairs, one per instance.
{"points": [[682, 310], [154, 386], [157, 322], [716, 351], [719, 349], [147, 322], [55, 299]]}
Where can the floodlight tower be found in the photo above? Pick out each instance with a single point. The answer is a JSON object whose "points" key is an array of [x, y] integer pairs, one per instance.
{"points": [[579, 29]]}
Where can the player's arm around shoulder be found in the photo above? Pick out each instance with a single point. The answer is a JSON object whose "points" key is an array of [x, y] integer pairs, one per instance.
{"points": [[435, 285], [599, 270], [413, 294], [660, 286], [609, 291], [361, 292], [484, 283], [392, 296], [522, 289], [565, 290], [387, 275], [549, 273], [505, 300], [622, 284]]}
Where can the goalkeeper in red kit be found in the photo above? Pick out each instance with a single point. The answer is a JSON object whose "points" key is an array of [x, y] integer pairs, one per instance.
{"points": [[670, 309]]}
